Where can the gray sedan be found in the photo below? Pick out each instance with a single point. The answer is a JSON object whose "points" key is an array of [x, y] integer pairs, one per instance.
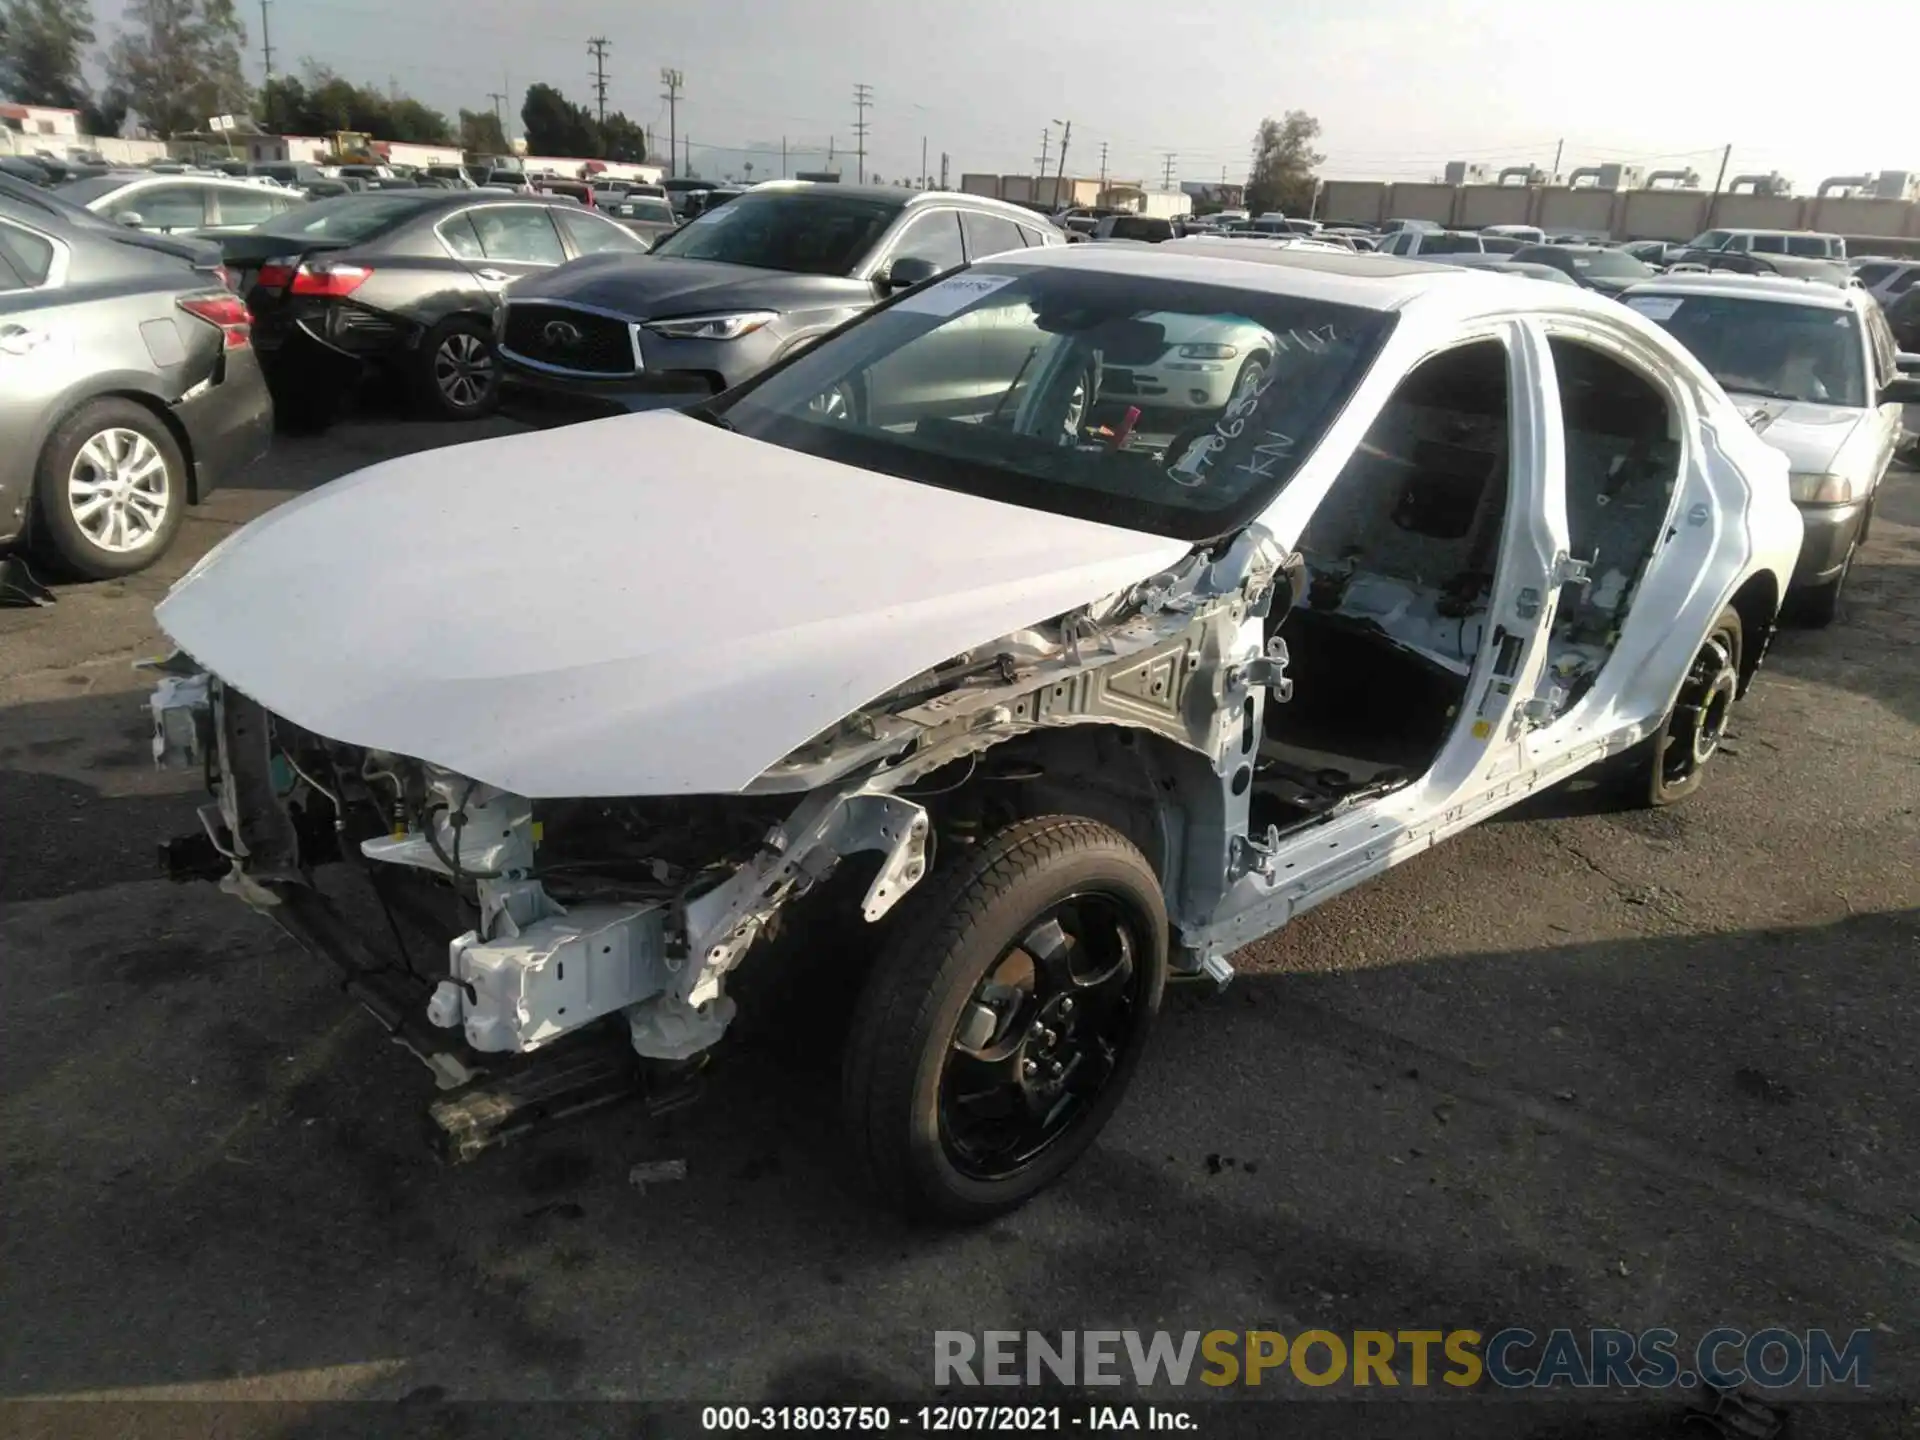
{"points": [[128, 387]]}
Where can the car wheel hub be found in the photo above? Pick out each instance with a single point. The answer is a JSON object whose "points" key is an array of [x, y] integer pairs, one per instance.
{"points": [[463, 370], [118, 490], [1041, 1038], [1701, 713]]}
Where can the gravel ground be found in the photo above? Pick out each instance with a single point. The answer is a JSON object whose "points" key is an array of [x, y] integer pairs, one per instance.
{"points": [[1574, 1068]]}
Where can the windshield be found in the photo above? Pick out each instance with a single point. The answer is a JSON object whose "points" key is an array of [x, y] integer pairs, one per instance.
{"points": [[1146, 402], [1607, 264], [1763, 347], [805, 234], [1709, 240], [642, 209], [346, 217], [85, 192]]}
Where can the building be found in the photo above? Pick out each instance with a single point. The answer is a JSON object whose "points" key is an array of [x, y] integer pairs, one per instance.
{"points": [[39, 126]]}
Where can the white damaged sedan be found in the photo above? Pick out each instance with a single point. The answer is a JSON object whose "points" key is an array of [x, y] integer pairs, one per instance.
{"points": [[925, 669]]}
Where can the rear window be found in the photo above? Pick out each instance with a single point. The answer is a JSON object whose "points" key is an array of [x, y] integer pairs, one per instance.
{"points": [[1140, 227], [1818, 245], [351, 218], [1871, 275], [1449, 245]]}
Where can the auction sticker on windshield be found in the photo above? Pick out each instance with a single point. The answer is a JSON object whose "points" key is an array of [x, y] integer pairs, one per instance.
{"points": [[953, 295], [1655, 307]]}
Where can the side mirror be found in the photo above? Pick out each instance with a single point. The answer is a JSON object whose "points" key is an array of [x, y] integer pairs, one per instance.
{"points": [[908, 270], [132, 219], [1908, 362], [1901, 390]]}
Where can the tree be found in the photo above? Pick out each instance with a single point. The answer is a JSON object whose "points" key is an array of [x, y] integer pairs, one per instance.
{"points": [[178, 62], [41, 44], [409, 120], [480, 133], [556, 126], [1284, 158], [623, 139]]}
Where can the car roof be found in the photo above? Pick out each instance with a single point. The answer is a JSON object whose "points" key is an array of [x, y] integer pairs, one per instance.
{"points": [[1750, 230], [1782, 289], [1345, 277]]}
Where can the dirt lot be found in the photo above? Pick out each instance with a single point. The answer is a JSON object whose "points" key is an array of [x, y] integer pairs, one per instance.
{"points": [[1571, 1069]]}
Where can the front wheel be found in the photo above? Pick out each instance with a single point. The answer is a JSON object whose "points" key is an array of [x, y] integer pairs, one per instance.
{"points": [[1004, 1018], [1670, 764]]}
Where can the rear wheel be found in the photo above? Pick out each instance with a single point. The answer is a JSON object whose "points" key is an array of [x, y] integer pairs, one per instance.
{"points": [[1669, 765], [110, 490], [1003, 1019], [457, 375]]}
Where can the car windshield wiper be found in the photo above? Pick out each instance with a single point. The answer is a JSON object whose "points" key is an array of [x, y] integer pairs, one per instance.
{"points": [[1761, 393]]}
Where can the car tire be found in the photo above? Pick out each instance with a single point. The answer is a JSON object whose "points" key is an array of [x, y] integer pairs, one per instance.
{"points": [[1029, 968], [1669, 764], [1252, 372], [109, 492], [456, 373]]}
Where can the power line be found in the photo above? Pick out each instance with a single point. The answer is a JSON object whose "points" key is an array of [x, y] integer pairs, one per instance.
{"points": [[862, 98], [672, 78], [597, 47]]}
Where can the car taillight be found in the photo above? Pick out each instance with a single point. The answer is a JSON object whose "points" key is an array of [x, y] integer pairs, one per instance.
{"points": [[226, 310], [329, 282], [277, 274]]}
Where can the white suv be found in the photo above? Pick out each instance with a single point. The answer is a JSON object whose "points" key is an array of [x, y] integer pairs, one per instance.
{"points": [[1812, 367]]}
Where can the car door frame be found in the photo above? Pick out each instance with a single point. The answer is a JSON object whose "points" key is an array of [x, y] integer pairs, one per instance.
{"points": [[111, 203], [1478, 768], [1689, 578], [495, 288]]}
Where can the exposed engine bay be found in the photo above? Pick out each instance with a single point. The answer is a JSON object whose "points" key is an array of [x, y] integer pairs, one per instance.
{"points": [[564, 912]]}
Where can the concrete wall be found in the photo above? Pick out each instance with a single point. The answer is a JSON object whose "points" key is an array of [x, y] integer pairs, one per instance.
{"points": [[1864, 217], [1361, 200], [1659, 214], [1478, 205], [1755, 212], [975, 183], [1421, 202], [1586, 211]]}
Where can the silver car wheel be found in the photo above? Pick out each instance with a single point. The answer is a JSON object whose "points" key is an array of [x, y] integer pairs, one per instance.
{"points": [[118, 490], [463, 369]]}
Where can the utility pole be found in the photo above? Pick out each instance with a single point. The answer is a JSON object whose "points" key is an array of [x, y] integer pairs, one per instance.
{"points": [[862, 98], [1103, 173], [1166, 179], [266, 40], [1713, 201], [1046, 149], [783, 157], [499, 112], [672, 79], [1066, 138], [1553, 175], [923, 162], [597, 47], [943, 169]]}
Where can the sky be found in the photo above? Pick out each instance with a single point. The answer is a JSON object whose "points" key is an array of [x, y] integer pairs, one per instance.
{"points": [[1399, 86]]}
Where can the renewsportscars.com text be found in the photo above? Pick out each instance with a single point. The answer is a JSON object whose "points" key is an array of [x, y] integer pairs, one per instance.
{"points": [[1509, 1359]]}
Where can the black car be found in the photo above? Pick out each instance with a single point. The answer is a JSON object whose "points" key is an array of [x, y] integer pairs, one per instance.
{"points": [[400, 282], [129, 387], [1592, 267], [734, 291]]}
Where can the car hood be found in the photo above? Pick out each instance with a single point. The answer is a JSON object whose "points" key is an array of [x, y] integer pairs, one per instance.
{"points": [[648, 286], [552, 615], [1811, 434]]}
